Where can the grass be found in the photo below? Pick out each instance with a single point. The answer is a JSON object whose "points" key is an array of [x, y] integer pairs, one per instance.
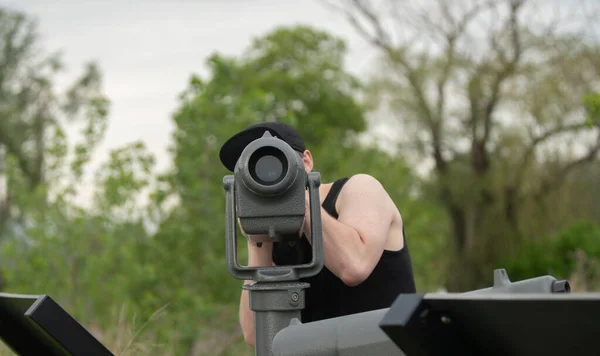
{"points": [[128, 340]]}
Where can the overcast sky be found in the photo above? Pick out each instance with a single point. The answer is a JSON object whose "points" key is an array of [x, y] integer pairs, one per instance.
{"points": [[147, 49]]}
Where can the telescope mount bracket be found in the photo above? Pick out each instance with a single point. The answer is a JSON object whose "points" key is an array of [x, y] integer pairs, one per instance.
{"points": [[277, 295]]}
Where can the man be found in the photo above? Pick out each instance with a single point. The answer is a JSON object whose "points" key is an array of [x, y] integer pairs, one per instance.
{"points": [[366, 259]]}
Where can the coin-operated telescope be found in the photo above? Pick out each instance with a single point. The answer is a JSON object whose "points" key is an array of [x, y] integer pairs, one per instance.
{"points": [[267, 193], [270, 185]]}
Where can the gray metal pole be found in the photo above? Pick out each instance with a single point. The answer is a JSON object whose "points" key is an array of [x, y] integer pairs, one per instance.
{"points": [[274, 306], [277, 295]]}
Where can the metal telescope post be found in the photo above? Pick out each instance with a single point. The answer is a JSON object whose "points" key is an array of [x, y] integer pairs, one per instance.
{"points": [[274, 208]]}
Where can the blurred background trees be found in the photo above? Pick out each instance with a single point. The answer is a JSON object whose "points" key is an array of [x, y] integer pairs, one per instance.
{"points": [[496, 98], [496, 133]]}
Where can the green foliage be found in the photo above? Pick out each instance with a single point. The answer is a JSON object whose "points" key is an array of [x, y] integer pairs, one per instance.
{"points": [[555, 255], [592, 106], [34, 115], [124, 177]]}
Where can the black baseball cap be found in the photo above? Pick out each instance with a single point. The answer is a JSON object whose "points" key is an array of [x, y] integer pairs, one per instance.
{"points": [[232, 149]]}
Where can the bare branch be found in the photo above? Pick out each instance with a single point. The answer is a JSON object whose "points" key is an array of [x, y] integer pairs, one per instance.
{"points": [[535, 142], [382, 40], [500, 67], [451, 37], [554, 182], [509, 68], [380, 33]]}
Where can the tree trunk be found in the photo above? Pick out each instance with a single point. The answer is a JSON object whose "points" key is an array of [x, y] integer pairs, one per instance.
{"points": [[511, 212], [473, 255], [456, 278]]}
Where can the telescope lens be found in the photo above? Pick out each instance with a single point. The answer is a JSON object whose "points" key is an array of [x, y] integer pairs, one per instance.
{"points": [[268, 168], [268, 165]]}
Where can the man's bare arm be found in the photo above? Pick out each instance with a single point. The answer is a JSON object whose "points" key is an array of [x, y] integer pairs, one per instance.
{"points": [[355, 241]]}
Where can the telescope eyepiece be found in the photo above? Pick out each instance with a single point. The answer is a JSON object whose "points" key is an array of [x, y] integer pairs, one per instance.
{"points": [[268, 165]]}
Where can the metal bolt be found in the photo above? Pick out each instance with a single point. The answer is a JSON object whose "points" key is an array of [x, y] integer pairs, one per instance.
{"points": [[295, 297]]}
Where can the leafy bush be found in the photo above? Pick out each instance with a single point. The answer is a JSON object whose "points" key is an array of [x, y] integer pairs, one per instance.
{"points": [[556, 255]]}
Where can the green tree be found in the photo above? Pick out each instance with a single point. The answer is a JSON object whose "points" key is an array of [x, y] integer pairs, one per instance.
{"points": [[34, 150], [93, 260], [561, 255], [592, 108], [486, 101], [96, 262]]}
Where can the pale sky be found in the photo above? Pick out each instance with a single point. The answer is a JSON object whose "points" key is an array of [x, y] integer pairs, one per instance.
{"points": [[147, 49]]}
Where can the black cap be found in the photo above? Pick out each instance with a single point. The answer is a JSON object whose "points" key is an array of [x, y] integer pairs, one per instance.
{"points": [[232, 149]]}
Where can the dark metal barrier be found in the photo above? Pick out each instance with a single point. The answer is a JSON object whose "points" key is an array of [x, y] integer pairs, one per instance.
{"points": [[35, 325]]}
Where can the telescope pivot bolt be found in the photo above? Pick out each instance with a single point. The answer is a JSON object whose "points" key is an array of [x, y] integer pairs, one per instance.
{"points": [[295, 297]]}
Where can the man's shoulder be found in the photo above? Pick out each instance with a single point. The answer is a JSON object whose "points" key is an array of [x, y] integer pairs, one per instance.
{"points": [[362, 187], [363, 182]]}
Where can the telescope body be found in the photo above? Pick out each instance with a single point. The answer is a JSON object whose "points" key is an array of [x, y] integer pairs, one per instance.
{"points": [[267, 195], [270, 184]]}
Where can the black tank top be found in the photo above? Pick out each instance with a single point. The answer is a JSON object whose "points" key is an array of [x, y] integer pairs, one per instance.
{"points": [[328, 297]]}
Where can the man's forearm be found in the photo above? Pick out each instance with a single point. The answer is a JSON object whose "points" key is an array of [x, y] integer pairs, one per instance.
{"points": [[343, 248]]}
